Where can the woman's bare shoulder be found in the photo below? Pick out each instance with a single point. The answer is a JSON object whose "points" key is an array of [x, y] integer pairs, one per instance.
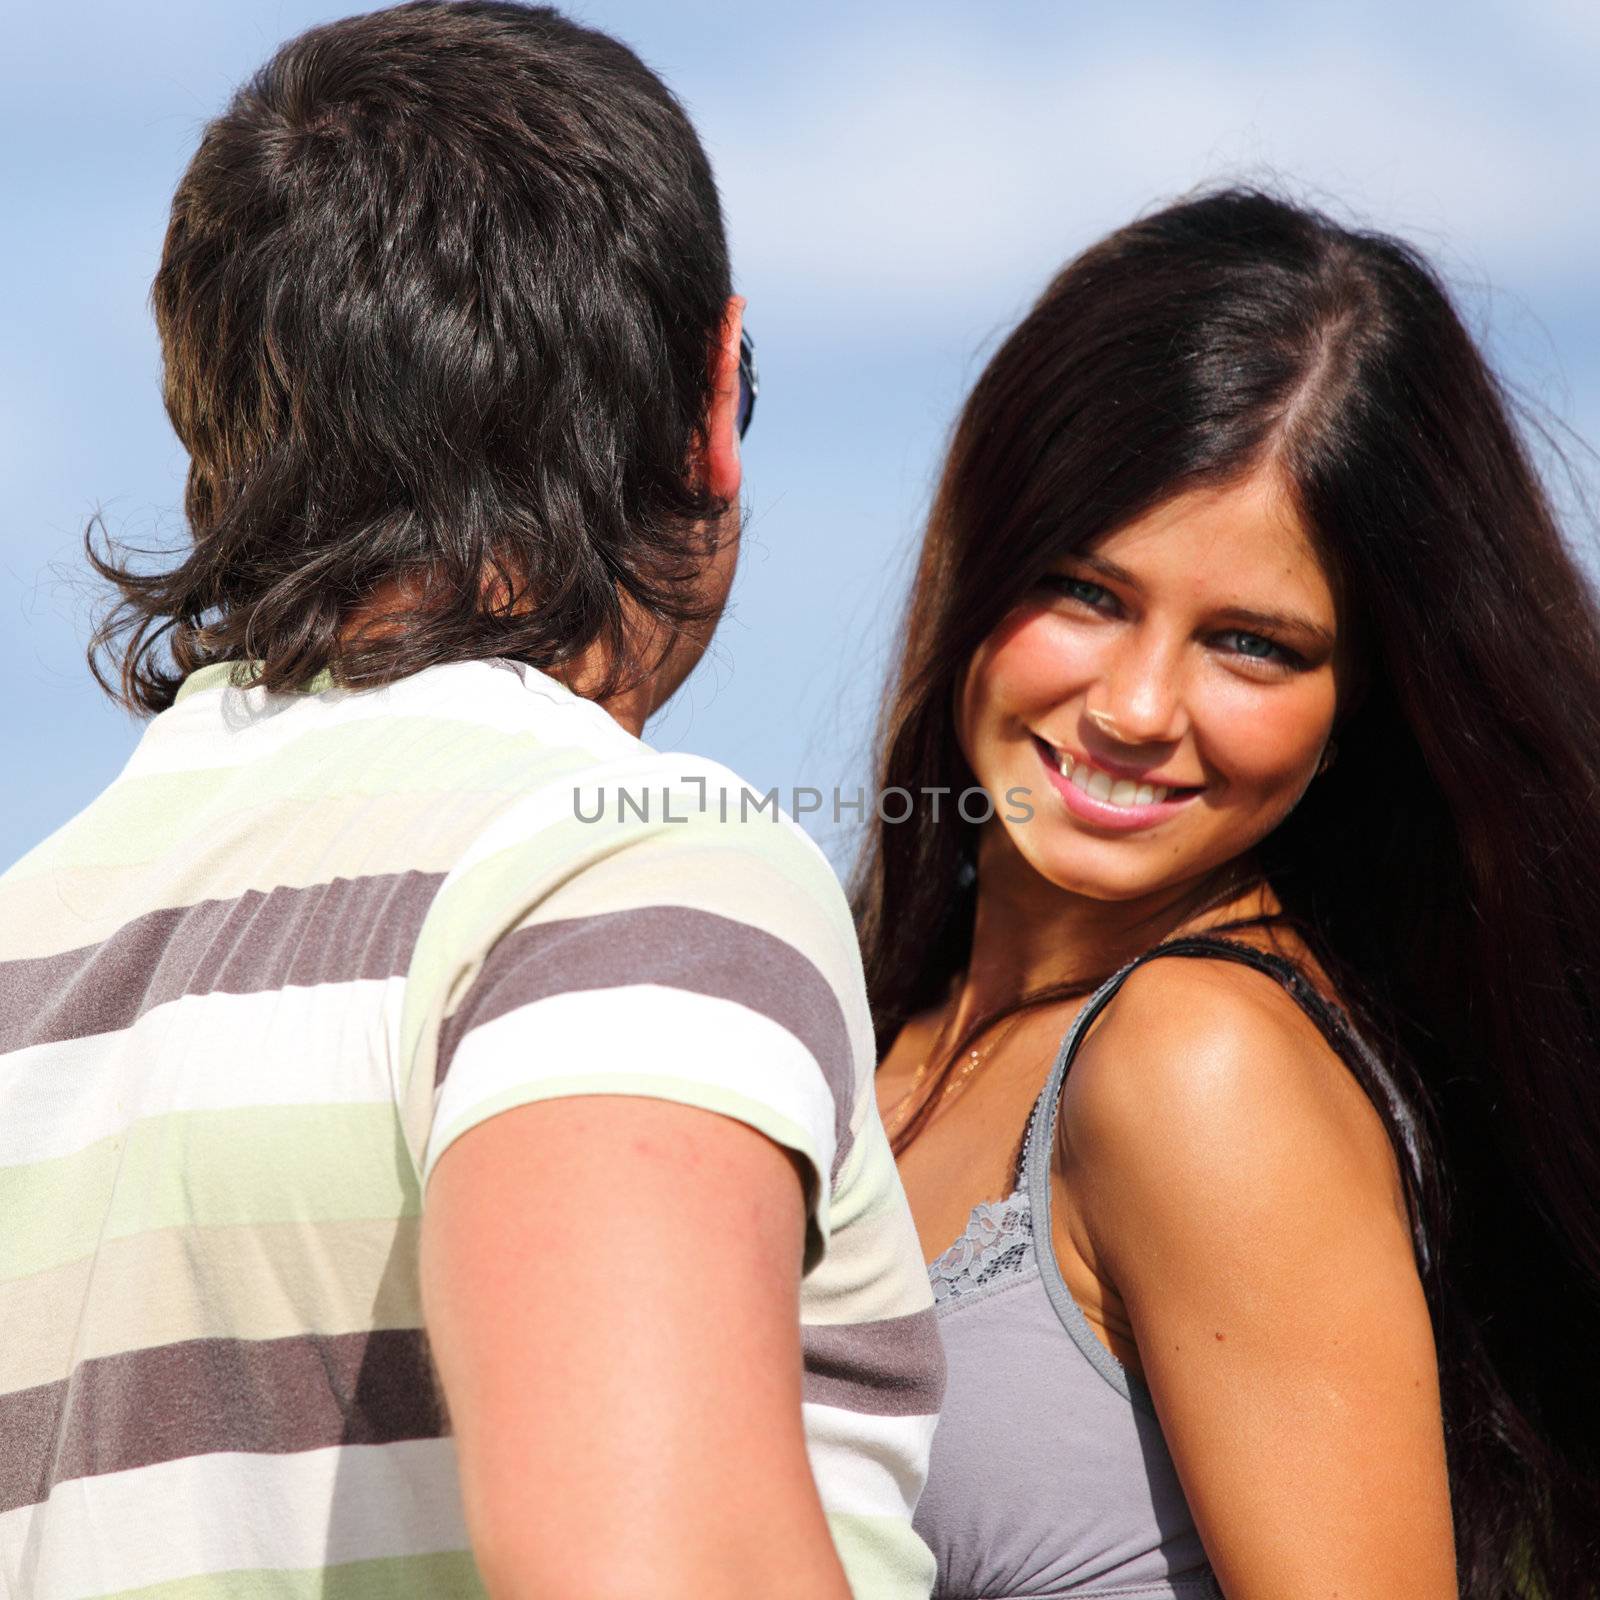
{"points": [[1206, 1078]]}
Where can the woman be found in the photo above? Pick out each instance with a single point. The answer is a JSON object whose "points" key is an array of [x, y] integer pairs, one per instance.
{"points": [[1241, 588]]}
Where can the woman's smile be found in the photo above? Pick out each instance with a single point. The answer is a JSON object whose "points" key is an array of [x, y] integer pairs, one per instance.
{"points": [[1106, 799]]}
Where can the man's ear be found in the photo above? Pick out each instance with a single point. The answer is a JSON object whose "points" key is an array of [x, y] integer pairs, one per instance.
{"points": [[717, 459]]}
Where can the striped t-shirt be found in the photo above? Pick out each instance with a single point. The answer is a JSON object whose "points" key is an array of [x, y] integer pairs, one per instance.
{"points": [[248, 997]]}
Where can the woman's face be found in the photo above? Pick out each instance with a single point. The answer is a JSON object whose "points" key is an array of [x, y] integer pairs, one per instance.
{"points": [[1164, 697]]}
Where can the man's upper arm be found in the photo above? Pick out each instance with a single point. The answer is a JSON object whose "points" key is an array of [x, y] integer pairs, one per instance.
{"points": [[610, 1286]]}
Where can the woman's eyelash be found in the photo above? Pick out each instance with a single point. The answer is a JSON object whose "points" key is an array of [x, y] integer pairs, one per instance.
{"points": [[1275, 654], [1071, 587]]}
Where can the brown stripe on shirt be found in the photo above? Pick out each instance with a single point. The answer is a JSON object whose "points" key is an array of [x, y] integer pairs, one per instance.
{"points": [[677, 947], [890, 1368], [262, 1397], [334, 932]]}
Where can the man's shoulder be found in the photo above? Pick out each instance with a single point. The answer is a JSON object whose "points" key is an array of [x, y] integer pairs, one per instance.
{"points": [[661, 844], [593, 795], [675, 788]]}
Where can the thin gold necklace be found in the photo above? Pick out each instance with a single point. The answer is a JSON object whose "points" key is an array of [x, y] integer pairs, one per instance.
{"points": [[953, 1085]]}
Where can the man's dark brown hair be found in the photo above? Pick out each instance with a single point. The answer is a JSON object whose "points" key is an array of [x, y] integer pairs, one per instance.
{"points": [[437, 305]]}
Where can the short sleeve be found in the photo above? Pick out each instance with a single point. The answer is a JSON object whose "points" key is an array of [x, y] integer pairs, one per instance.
{"points": [[661, 934]]}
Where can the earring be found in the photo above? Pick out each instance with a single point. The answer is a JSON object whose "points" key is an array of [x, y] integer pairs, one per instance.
{"points": [[1330, 754]]}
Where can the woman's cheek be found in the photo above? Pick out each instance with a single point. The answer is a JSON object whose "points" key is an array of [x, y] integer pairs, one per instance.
{"points": [[1267, 745], [1036, 664]]}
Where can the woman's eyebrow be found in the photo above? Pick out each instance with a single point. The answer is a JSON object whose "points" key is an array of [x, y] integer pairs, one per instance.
{"points": [[1286, 621], [1283, 621], [1108, 569]]}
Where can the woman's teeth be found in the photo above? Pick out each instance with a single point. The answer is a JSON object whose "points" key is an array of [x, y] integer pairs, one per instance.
{"points": [[1112, 791]]}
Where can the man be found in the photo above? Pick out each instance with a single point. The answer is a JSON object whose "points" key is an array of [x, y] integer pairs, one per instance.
{"points": [[397, 1016]]}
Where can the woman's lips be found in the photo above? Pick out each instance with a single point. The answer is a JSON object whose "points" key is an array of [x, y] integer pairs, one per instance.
{"points": [[1088, 793]]}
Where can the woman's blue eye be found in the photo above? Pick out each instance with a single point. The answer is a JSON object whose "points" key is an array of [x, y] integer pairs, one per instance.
{"points": [[1254, 646], [1092, 594]]}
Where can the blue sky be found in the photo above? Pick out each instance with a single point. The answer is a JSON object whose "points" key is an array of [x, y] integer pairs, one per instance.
{"points": [[899, 180]]}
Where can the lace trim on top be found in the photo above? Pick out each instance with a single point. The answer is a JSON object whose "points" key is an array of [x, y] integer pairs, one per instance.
{"points": [[997, 1242]]}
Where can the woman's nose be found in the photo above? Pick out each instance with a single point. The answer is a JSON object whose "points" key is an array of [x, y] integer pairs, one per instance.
{"points": [[1139, 700]]}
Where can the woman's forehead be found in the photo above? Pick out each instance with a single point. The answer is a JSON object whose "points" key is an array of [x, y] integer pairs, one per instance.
{"points": [[1215, 540]]}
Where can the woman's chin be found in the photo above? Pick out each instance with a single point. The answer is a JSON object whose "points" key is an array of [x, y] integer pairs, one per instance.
{"points": [[1067, 869]]}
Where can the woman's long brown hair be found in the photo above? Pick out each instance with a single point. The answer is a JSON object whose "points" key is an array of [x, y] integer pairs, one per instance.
{"points": [[1446, 870]]}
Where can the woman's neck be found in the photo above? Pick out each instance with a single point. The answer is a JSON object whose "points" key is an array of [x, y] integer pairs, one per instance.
{"points": [[1029, 935]]}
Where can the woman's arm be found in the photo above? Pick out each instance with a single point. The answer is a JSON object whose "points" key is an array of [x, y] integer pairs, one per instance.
{"points": [[1241, 1195]]}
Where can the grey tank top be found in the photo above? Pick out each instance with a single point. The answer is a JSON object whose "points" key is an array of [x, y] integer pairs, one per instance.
{"points": [[1049, 1475]]}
